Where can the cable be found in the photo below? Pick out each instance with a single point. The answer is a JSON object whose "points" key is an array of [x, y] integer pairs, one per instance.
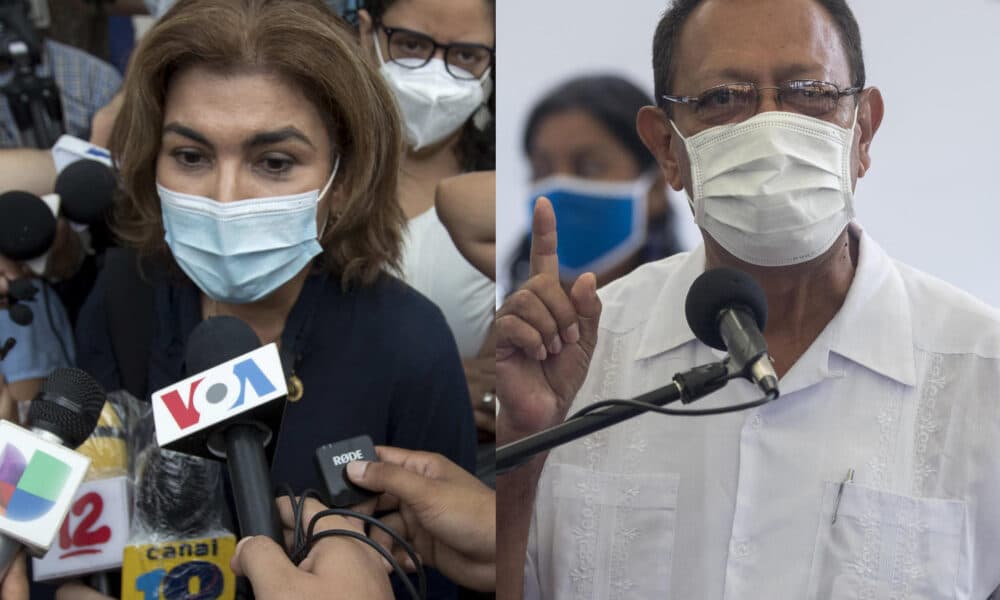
{"points": [[303, 539], [385, 554], [414, 557], [589, 411]]}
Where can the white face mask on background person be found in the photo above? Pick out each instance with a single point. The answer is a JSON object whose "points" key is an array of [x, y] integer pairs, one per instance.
{"points": [[774, 190], [239, 252], [433, 104]]}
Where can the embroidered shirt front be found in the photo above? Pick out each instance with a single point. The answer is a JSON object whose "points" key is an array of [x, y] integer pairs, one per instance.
{"points": [[901, 387]]}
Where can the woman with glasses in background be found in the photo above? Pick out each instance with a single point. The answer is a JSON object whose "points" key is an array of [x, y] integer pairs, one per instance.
{"points": [[437, 57]]}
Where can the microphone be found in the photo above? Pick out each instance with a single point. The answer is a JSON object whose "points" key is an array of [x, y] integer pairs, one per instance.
{"points": [[177, 533], [727, 310], [227, 411], [69, 149], [20, 291], [92, 537], [38, 474], [28, 227], [86, 189]]}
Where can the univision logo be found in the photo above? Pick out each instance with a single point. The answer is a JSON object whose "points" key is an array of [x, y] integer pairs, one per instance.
{"points": [[29, 489]]}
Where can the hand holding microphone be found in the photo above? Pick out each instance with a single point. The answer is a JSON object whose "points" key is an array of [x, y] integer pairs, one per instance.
{"points": [[42, 476], [36, 230]]}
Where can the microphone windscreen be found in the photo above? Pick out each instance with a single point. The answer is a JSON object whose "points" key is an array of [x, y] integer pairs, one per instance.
{"points": [[719, 289], [22, 289], [86, 191], [176, 495], [27, 228], [217, 340], [68, 405], [21, 315]]}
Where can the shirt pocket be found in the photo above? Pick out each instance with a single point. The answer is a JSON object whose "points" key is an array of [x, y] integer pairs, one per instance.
{"points": [[886, 545], [614, 533]]}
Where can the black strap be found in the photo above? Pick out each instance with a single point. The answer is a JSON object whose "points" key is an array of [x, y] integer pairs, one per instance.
{"points": [[129, 304]]}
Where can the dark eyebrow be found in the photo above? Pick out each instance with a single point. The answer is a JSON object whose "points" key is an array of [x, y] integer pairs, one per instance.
{"points": [[263, 138], [187, 132], [266, 138]]}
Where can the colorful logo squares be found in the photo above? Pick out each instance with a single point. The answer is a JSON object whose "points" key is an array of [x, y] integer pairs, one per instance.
{"points": [[29, 489]]}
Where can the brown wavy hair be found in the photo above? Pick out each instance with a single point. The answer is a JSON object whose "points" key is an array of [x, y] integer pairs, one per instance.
{"points": [[305, 42]]}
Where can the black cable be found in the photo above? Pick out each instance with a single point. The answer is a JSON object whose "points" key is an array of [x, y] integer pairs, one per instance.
{"points": [[296, 515], [414, 557], [590, 409], [385, 554], [303, 540]]}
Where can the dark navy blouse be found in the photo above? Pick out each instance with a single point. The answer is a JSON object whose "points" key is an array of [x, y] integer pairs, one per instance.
{"points": [[376, 360]]}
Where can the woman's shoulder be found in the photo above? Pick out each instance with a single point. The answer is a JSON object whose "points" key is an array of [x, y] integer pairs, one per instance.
{"points": [[394, 307]]}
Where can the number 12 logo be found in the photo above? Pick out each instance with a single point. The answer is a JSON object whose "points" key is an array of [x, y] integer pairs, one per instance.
{"points": [[84, 534]]}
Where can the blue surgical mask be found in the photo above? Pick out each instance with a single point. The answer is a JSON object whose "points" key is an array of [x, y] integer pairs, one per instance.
{"points": [[239, 252], [600, 223]]}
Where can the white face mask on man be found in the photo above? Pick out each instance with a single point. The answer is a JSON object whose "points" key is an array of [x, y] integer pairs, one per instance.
{"points": [[773, 190], [432, 102]]}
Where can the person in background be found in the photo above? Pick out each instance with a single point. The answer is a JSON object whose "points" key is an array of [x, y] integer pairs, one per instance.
{"points": [[466, 205], [86, 83], [86, 86], [610, 200], [40, 347], [437, 58]]}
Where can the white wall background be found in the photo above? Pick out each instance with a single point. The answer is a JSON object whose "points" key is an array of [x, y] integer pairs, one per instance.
{"points": [[932, 197]]}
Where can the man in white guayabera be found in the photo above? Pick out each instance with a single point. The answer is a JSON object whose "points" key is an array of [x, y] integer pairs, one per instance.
{"points": [[874, 475]]}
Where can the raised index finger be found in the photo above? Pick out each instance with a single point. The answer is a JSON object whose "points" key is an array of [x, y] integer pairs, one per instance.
{"points": [[543, 239]]}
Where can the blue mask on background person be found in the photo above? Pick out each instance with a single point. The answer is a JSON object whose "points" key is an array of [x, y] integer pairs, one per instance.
{"points": [[239, 252], [599, 223]]}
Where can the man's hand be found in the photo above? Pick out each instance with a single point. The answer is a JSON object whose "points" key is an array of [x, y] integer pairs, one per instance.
{"points": [[336, 567], [545, 339], [443, 511], [15, 584]]}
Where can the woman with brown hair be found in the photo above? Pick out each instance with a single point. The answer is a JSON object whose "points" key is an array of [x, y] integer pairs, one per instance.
{"points": [[258, 153]]}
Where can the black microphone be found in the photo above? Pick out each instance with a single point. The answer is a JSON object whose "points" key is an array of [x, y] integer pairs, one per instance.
{"points": [[86, 190], [20, 291], [238, 438], [727, 310], [175, 494], [27, 228], [65, 412]]}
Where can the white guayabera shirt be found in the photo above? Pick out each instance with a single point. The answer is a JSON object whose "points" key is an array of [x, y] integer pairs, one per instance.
{"points": [[901, 387]]}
